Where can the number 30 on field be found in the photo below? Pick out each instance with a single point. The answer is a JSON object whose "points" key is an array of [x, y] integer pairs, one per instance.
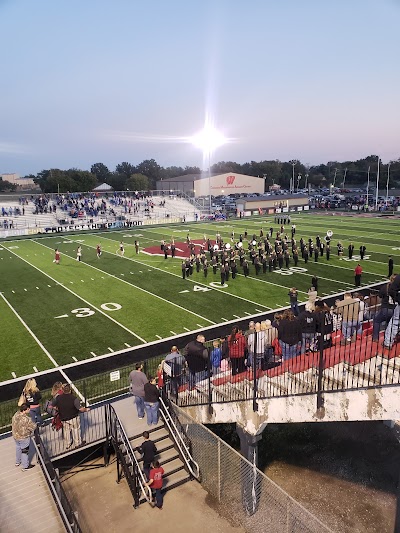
{"points": [[83, 312]]}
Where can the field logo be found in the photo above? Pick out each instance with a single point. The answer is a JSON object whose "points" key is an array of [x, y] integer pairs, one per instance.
{"points": [[230, 180]]}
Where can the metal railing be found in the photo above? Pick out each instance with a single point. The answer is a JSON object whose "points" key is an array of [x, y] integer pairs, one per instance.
{"points": [[65, 509], [179, 436], [126, 456], [241, 492]]}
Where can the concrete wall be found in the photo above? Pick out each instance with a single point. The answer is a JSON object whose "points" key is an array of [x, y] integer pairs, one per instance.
{"points": [[379, 403]]}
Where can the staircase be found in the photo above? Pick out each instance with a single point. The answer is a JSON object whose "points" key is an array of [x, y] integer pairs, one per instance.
{"points": [[174, 467]]}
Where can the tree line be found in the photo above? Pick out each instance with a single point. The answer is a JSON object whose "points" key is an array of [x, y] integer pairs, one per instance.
{"points": [[144, 176]]}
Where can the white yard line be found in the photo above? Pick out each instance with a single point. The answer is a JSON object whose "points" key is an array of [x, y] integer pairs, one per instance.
{"points": [[51, 358], [136, 287], [80, 297]]}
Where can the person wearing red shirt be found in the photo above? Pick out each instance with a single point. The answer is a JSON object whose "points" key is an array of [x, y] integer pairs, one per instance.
{"points": [[357, 275], [156, 482], [56, 257], [236, 350]]}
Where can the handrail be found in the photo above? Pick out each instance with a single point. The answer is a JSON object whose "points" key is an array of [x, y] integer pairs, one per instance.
{"points": [[146, 490], [177, 437], [71, 527]]}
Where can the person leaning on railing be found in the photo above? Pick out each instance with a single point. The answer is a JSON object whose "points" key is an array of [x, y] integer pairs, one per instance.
{"points": [[349, 309], [392, 328], [289, 335], [236, 343], [386, 310]]}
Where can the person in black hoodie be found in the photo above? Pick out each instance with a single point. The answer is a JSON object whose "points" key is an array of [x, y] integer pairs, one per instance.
{"points": [[289, 335], [148, 450], [196, 355]]}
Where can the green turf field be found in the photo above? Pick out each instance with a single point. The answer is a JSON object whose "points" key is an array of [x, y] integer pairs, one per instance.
{"points": [[56, 314]]}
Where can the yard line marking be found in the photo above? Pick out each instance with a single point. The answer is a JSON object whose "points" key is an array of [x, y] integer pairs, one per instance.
{"points": [[37, 288], [132, 285], [75, 359], [26, 290], [127, 345], [325, 293], [49, 285], [98, 309], [259, 310], [13, 292], [92, 353], [14, 375], [225, 319], [187, 329], [122, 274], [82, 280], [173, 332], [130, 272], [111, 350], [61, 316], [35, 369], [158, 336], [236, 316], [200, 326], [92, 279]]}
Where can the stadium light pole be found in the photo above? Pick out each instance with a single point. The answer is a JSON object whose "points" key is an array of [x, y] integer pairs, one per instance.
{"points": [[387, 184], [208, 140], [369, 170], [377, 188]]}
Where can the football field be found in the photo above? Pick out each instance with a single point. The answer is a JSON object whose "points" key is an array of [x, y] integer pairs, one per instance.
{"points": [[53, 315]]}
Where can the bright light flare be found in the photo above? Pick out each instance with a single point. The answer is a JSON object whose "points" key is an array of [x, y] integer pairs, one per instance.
{"points": [[208, 139]]}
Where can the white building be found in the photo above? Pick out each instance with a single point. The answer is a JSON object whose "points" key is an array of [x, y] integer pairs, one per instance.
{"points": [[219, 184], [15, 179]]}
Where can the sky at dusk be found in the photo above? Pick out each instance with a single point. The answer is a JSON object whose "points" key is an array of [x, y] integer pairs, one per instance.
{"points": [[99, 81]]}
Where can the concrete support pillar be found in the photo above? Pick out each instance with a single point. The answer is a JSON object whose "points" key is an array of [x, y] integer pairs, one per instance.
{"points": [[248, 444], [251, 485]]}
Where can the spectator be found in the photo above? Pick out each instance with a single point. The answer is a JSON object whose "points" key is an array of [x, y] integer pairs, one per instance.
{"points": [[385, 312], [216, 357], [256, 346], [357, 275], [22, 430], [173, 367], [314, 282], [237, 348], [348, 308], [307, 323], [293, 297], [148, 450], [323, 325], [392, 328], [271, 334], [196, 355], [137, 380], [151, 403], [69, 409], [32, 398], [312, 295], [156, 483], [289, 335]]}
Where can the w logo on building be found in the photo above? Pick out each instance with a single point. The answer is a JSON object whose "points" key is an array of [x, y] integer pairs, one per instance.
{"points": [[230, 180]]}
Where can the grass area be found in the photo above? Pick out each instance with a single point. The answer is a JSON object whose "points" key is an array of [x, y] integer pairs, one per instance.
{"points": [[56, 314]]}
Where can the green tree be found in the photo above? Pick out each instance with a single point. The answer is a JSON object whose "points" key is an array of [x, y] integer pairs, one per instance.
{"points": [[151, 169], [7, 186], [125, 169], [138, 182], [101, 172], [118, 181], [84, 181]]}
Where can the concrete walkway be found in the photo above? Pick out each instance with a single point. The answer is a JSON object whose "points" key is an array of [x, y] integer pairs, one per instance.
{"points": [[26, 503]]}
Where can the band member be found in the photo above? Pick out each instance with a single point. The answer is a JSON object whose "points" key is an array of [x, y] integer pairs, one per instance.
{"points": [[328, 251], [351, 250], [246, 269], [173, 249], [222, 274], [183, 266], [165, 251], [316, 254], [79, 253], [233, 269], [295, 256], [98, 251], [286, 256], [137, 247], [205, 268], [57, 256], [363, 249], [162, 245], [305, 254], [121, 248]]}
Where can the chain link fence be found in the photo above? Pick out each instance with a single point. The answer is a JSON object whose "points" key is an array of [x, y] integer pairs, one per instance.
{"points": [[242, 493]]}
